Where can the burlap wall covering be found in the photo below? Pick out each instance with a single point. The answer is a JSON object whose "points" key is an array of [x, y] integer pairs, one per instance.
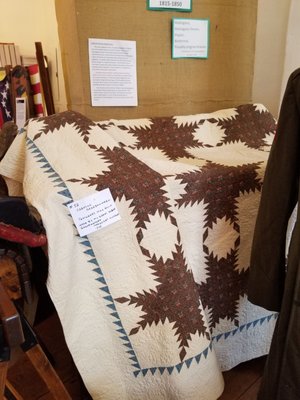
{"points": [[165, 86]]}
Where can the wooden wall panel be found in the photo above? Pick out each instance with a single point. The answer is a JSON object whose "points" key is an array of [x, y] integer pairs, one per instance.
{"points": [[165, 86]]}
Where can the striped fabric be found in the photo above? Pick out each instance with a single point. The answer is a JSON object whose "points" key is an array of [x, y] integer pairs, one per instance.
{"points": [[36, 87]]}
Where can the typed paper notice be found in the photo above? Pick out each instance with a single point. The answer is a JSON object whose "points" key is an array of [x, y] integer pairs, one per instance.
{"points": [[113, 75]]}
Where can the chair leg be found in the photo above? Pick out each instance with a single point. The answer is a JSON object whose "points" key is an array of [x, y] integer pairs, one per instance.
{"points": [[41, 363], [10, 392], [4, 362], [43, 367], [3, 374]]}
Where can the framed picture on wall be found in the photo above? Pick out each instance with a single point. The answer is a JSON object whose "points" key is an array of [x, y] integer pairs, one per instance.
{"points": [[170, 5]]}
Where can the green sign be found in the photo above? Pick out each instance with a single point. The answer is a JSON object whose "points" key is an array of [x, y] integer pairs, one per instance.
{"points": [[170, 5]]}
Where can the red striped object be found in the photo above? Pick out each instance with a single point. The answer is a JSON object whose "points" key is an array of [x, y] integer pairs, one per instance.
{"points": [[35, 82]]}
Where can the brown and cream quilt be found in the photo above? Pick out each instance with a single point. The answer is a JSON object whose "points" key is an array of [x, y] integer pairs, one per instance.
{"points": [[155, 305]]}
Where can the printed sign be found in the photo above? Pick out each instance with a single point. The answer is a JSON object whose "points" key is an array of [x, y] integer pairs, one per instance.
{"points": [[113, 76], [190, 38], [175, 5]]}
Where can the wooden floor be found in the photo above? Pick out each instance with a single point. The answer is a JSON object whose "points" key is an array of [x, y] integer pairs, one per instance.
{"points": [[241, 383]]}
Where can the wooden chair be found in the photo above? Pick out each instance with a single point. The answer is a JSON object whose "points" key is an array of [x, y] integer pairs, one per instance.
{"points": [[18, 230]]}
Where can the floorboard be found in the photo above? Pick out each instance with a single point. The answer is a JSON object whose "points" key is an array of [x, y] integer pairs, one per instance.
{"points": [[242, 382]]}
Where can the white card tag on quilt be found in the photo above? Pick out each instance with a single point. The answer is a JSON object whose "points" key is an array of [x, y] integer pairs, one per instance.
{"points": [[94, 212]]}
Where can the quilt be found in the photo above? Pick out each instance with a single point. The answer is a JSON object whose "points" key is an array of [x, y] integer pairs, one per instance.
{"points": [[153, 306]]}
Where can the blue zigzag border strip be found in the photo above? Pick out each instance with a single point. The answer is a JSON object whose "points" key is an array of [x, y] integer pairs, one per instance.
{"points": [[84, 241], [204, 353], [259, 321], [170, 369]]}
